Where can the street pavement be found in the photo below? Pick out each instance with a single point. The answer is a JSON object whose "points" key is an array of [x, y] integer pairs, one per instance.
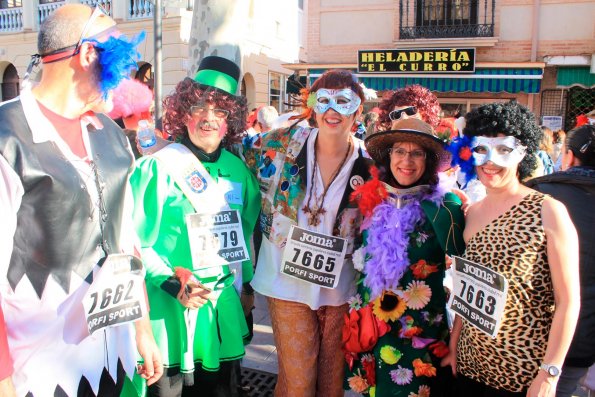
{"points": [[261, 354]]}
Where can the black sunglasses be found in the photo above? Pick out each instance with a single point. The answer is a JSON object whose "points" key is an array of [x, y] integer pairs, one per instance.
{"points": [[396, 114]]}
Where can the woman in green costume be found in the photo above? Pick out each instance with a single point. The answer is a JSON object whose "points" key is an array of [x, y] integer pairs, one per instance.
{"points": [[195, 311], [411, 221]]}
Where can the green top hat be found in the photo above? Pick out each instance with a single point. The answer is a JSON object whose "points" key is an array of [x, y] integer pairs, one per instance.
{"points": [[219, 73]]}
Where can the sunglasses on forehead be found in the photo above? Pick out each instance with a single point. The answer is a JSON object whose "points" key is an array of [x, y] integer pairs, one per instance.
{"points": [[97, 12], [64, 53], [396, 114]]}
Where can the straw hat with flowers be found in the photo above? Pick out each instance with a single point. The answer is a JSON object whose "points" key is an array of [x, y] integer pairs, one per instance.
{"points": [[408, 130]]}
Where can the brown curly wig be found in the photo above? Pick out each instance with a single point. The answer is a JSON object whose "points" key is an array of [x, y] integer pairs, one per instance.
{"points": [[188, 93], [413, 95], [510, 118], [333, 80]]}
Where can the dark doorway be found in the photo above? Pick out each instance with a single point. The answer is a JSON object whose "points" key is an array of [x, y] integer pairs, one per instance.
{"points": [[10, 83]]}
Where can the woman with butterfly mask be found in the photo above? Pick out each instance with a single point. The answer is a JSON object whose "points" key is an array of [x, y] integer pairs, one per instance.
{"points": [[309, 232]]}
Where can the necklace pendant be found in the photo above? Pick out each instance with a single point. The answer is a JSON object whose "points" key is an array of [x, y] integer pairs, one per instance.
{"points": [[313, 219]]}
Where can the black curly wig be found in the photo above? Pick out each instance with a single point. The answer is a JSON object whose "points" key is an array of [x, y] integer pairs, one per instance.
{"points": [[509, 118]]}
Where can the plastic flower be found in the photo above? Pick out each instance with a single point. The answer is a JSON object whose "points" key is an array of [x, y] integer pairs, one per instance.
{"points": [[389, 307], [421, 238], [417, 295], [462, 155], [359, 258], [465, 153], [408, 330], [439, 349], [355, 302], [424, 391], [448, 260], [420, 343], [369, 366], [311, 100], [423, 369], [401, 376], [390, 355], [421, 269], [357, 383]]}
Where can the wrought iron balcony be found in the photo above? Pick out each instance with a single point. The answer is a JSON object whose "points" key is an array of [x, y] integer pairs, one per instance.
{"points": [[430, 19]]}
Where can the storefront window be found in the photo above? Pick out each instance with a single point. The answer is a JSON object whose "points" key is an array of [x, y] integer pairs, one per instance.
{"points": [[277, 91], [452, 106]]}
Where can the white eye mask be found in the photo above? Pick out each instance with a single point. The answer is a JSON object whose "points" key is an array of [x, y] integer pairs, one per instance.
{"points": [[344, 102], [503, 151]]}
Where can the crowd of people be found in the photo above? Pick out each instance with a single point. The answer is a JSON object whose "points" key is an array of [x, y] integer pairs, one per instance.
{"points": [[384, 271]]}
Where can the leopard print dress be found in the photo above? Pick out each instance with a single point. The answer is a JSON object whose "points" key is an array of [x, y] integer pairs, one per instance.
{"points": [[514, 245]]}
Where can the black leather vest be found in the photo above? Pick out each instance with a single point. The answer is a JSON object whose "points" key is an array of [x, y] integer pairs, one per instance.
{"points": [[57, 223]]}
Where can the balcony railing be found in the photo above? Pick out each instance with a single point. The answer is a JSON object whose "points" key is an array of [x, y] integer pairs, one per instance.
{"points": [[106, 4], [46, 9], [11, 19], [140, 9], [429, 19]]}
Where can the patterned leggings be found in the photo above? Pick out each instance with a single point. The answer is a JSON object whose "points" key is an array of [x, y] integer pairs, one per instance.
{"points": [[308, 348]]}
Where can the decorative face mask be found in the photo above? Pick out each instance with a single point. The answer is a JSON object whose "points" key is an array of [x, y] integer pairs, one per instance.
{"points": [[503, 151], [344, 102]]}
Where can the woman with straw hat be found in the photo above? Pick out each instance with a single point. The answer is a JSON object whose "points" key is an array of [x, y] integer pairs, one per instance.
{"points": [[411, 222]]}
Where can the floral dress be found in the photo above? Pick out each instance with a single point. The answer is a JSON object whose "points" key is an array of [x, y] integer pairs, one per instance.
{"points": [[407, 234]]}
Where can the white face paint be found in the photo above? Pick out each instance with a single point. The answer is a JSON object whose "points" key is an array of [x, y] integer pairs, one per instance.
{"points": [[502, 151], [344, 101]]}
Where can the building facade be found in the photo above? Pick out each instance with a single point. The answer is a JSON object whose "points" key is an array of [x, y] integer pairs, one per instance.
{"points": [[538, 52], [272, 34]]}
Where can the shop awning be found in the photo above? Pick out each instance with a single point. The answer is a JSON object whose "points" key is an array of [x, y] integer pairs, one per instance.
{"points": [[576, 75], [512, 80]]}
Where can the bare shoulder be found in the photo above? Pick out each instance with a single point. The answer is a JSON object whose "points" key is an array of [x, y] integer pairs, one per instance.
{"points": [[554, 214], [474, 209]]}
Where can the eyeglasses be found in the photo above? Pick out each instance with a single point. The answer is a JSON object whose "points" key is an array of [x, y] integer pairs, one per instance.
{"points": [[401, 153], [203, 111], [396, 114], [97, 12]]}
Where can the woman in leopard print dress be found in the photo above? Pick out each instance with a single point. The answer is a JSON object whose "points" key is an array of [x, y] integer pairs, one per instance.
{"points": [[527, 238]]}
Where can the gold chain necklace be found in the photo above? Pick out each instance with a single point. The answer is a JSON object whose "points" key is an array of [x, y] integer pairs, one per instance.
{"points": [[314, 213]]}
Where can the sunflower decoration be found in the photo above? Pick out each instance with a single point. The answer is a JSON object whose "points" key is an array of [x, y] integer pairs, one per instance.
{"points": [[389, 307]]}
